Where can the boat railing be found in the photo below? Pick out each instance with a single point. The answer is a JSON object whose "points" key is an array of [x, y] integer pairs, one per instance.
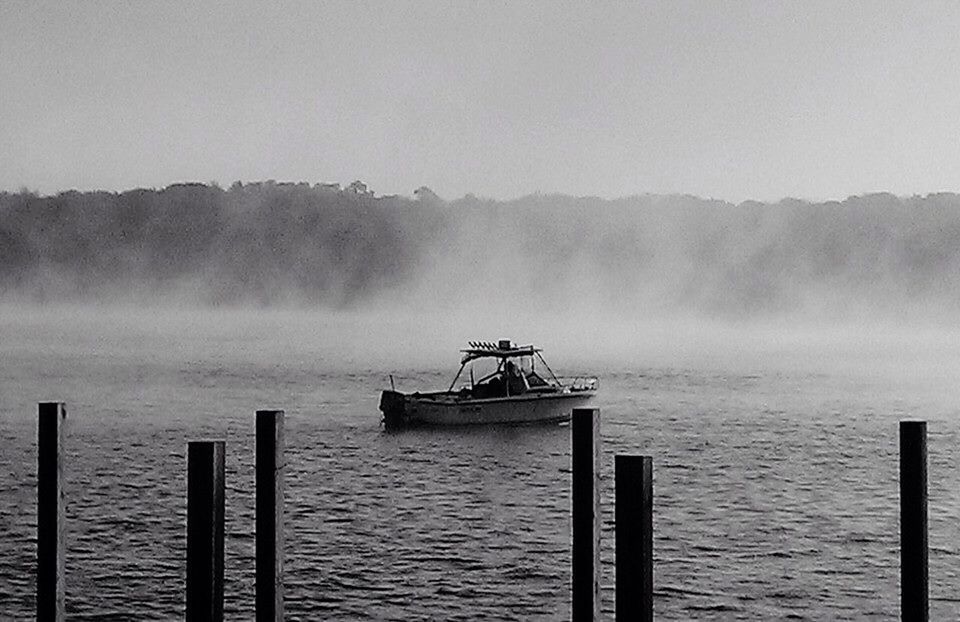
{"points": [[580, 383]]}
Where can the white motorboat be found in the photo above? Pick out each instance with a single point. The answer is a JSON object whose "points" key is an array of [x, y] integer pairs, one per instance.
{"points": [[515, 391]]}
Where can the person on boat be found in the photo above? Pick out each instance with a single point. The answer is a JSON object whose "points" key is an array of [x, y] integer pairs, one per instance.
{"points": [[495, 387], [516, 381]]}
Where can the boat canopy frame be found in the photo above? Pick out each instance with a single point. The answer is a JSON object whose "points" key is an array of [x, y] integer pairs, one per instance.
{"points": [[501, 351]]}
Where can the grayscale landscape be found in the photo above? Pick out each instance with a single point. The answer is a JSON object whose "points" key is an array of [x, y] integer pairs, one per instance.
{"points": [[743, 219]]}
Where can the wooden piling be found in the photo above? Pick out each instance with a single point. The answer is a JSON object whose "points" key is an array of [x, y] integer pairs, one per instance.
{"points": [[914, 575], [586, 514], [205, 502], [270, 471], [633, 479], [50, 511]]}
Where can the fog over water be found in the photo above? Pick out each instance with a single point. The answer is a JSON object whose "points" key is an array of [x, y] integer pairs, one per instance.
{"points": [[762, 353], [653, 279], [380, 342]]}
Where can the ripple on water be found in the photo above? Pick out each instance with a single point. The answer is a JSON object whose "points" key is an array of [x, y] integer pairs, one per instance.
{"points": [[776, 497]]}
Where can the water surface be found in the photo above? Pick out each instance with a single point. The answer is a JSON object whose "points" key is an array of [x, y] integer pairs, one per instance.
{"points": [[775, 479]]}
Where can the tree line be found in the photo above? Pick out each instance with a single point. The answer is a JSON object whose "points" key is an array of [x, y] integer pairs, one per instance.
{"points": [[274, 243]]}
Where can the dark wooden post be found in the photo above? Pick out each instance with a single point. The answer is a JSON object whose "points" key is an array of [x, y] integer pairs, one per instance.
{"points": [[50, 507], [586, 514], [205, 484], [913, 522], [270, 468], [633, 510]]}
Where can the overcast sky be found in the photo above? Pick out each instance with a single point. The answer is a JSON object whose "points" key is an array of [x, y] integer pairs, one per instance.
{"points": [[731, 100]]}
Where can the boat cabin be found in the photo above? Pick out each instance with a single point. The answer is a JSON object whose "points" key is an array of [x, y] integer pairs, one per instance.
{"points": [[515, 372]]}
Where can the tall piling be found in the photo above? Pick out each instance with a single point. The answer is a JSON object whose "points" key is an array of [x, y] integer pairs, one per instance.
{"points": [[586, 514], [270, 472], [633, 510], [51, 417], [914, 576], [205, 504]]}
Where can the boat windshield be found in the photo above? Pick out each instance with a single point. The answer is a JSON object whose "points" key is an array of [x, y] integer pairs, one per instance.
{"points": [[501, 377]]}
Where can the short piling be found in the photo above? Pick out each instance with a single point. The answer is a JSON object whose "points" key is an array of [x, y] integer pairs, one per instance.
{"points": [[633, 510], [270, 472], [205, 504], [914, 575], [586, 514], [50, 511]]}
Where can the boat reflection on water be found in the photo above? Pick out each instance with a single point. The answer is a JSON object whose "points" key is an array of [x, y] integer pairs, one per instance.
{"points": [[514, 392]]}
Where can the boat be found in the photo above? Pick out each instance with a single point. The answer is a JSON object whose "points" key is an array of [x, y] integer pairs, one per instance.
{"points": [[516, 391]]}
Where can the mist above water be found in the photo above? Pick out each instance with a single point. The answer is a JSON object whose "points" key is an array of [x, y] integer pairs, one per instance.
{"points": [[771, 347], [405, 344], [321, 247], [388, 281]]}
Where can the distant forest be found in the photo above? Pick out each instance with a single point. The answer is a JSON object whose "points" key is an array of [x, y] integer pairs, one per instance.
{"points": [[274, 243]]}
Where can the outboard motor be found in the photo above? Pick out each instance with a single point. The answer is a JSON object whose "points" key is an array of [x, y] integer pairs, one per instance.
{"points": [[393, 405]]}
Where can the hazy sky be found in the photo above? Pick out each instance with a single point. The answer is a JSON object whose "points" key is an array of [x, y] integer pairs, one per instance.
{"points": [[730, 100]]}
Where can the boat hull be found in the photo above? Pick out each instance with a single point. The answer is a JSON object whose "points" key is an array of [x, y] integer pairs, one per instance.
{"points": [[441, 410]]}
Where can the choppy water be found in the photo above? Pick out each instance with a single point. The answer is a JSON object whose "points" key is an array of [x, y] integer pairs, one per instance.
{"points": [[775, 488]]}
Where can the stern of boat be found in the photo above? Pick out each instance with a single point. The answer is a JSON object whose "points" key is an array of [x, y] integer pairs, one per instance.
{"points": [[393, 405]]}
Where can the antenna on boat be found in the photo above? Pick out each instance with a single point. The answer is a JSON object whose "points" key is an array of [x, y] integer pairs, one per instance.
{"points": [[392, 388]]}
